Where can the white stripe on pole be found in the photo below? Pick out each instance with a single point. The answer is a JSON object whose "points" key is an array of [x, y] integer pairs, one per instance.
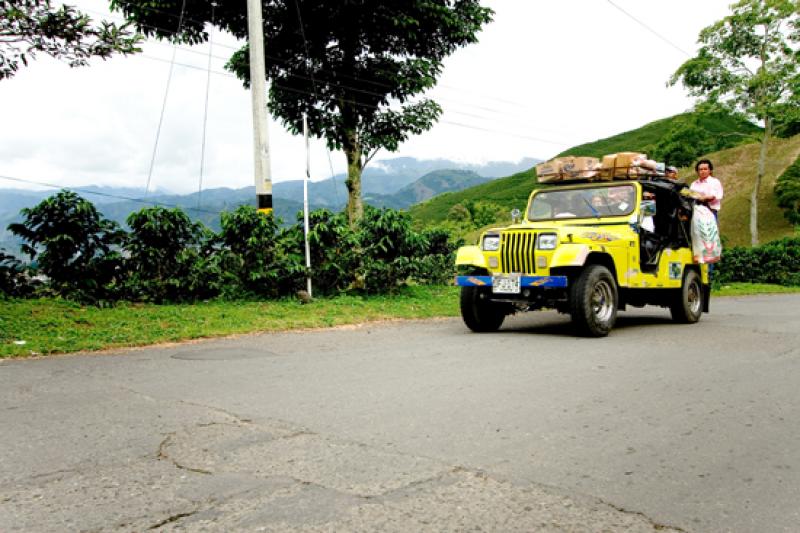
{"points": [[305, 205]]}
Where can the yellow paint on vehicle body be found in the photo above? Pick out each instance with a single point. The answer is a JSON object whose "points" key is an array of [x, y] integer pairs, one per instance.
{"points": [[610, 237], [471, 255]]}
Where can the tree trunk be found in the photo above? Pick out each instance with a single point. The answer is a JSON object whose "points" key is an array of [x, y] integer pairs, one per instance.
{"points": [[355, 208], [762, 159]]}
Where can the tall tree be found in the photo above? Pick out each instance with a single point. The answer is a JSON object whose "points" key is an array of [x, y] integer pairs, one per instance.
{"points": [[749, 61], [28, 27], [353, 66]]}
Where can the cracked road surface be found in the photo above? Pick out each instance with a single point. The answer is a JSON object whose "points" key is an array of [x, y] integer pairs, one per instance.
{"points": [[418, 426]]}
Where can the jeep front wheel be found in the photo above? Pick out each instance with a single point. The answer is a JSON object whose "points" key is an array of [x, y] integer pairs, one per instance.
{"points": [[479, 313], [593, 301], [687, 305]]}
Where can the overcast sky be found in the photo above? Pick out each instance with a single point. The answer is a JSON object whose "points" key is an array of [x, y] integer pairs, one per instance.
{"points": [[544, 76]]}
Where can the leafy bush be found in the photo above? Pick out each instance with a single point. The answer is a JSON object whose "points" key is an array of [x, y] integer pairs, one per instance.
{"points": [[787, 191], [774, 262], [255, 260], [74, 246], [168, 257], [394, 255], [334, 248], [14, 280]]}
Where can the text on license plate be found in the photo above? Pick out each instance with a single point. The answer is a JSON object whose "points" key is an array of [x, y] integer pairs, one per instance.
{"points": [[505, 284]]}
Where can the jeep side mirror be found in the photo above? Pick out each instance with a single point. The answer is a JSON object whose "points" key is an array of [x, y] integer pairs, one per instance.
{"points": [[515, 216]]}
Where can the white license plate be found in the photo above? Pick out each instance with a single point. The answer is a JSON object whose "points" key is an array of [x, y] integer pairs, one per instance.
{"points": [[505, 284]]}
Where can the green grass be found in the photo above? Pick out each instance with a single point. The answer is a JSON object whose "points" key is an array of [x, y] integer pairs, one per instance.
{"points": [[57, 326], [746, 289]]}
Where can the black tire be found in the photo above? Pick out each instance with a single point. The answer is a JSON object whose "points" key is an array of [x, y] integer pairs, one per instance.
{"points": [[593, 301], [687, 305], [480, 314]]}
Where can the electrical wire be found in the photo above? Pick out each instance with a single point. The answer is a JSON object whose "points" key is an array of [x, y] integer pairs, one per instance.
{"points": [[205, 112], [163, 106], [471, 104], [651, 30], [107, 195]]}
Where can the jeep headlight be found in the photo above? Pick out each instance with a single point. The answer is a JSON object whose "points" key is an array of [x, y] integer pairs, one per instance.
{"points": [[547, 241], [491, 243]]}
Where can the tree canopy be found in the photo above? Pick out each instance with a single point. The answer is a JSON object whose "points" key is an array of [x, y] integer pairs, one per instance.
{"points": [[28, 27], [353, 66], [749, 62]]}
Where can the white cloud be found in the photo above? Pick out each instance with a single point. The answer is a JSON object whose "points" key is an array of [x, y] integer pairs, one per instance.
{"points": [[544, 76]]}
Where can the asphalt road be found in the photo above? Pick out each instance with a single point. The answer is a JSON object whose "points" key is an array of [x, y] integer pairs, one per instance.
{"points": [[418, 426]]}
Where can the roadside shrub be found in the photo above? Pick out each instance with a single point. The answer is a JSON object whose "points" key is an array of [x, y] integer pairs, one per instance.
{"points": [[390, 250], [334, 246], [774, 262], [436, 262], [381, 255], [14, 279], [74, 246], [254, 259], [393, 254], [168, 257]]}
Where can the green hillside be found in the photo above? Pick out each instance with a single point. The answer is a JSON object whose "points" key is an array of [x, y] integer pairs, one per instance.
{"points": [[641, 139], [510, 192], [734, 166]]}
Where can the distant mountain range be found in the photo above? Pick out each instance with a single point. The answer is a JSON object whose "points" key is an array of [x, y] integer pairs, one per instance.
{"points": [[397, 183]]}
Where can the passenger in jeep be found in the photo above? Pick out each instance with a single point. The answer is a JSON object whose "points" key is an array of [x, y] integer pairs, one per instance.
{"points": [[620, 198]]}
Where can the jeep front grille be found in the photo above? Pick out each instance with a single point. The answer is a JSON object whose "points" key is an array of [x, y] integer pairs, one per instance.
{"points": [[516, 252]]}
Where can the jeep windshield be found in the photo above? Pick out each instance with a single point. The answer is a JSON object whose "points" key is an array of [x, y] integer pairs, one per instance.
{"points": [[590, 202]]}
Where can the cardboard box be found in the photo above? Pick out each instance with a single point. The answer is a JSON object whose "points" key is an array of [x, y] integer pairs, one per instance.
{"points": [[549, 171], [580, 167], [623, 165], [568, 168]]}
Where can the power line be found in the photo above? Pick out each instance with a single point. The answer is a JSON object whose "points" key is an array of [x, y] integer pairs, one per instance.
{"points": [[107, 195], [449, 101], [163, 106], [334, 73], [205, 112], [651, 30]]}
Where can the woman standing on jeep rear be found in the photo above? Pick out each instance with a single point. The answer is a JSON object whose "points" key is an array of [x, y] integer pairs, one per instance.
{"points": [[707, 186]]}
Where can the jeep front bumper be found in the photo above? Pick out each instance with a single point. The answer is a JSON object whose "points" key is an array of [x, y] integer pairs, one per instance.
{"points": [[524, 281]]}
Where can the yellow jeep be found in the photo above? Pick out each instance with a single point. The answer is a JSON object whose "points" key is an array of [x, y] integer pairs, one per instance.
{"points": [[587, 249]]}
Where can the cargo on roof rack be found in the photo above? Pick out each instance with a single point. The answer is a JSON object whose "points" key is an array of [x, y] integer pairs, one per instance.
{"points": [[622, 165]]}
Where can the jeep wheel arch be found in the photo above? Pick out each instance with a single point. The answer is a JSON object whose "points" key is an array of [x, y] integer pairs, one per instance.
{"points": [[687, 304], [594, 301]]}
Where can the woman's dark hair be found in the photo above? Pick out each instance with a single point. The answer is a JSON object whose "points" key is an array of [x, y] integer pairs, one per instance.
{"points": [[707, 162]]}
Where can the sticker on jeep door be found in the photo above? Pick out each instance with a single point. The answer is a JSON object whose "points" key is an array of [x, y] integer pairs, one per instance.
{"points": [[675, 270]]}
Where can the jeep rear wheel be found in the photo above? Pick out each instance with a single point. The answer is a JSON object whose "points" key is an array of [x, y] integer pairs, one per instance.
{"points": [[480, 314], [593, 301], [687, 305]]}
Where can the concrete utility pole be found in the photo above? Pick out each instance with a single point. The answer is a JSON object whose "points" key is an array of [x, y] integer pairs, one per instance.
{"points": [[263, 177]]}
